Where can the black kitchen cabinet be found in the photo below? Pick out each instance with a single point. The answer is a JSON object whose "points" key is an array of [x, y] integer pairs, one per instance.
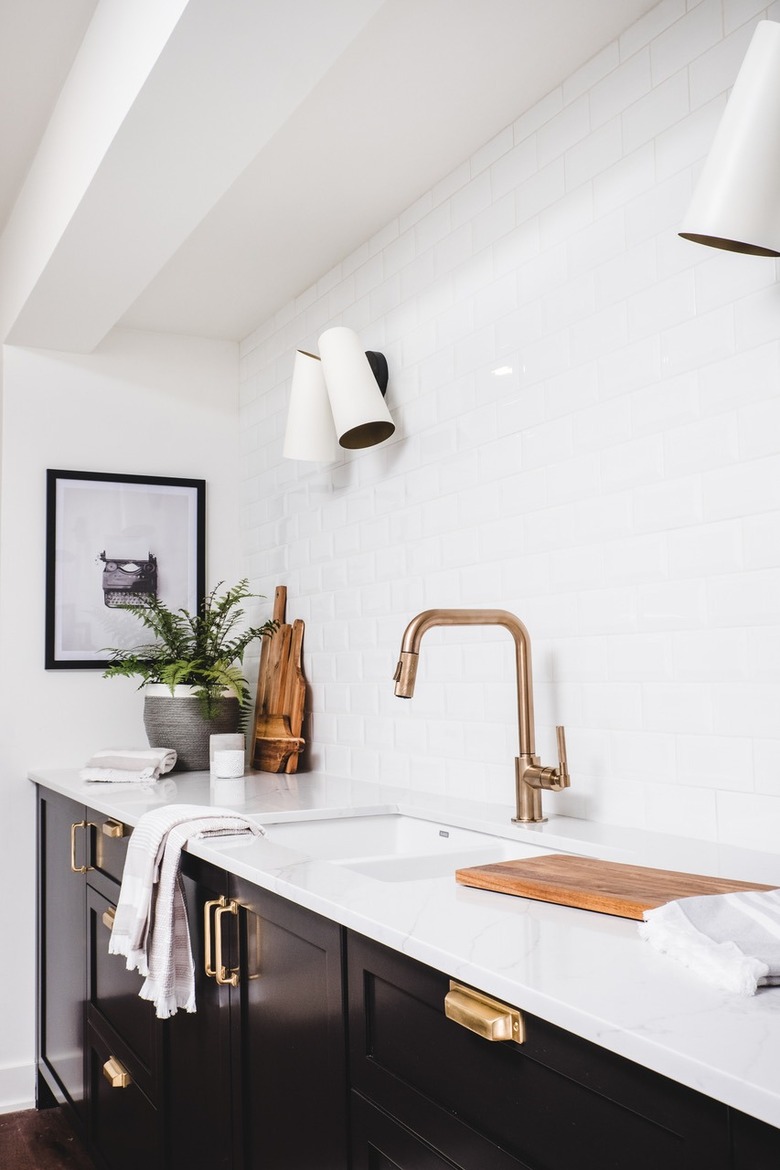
{"points": [[549, 1103], [260, 1068], [258, 1078]]}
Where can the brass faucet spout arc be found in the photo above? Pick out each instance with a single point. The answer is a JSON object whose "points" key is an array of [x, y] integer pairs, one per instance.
{"points": [[530, 776]]}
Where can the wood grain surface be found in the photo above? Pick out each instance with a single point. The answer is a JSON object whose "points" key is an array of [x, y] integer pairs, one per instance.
{"points": [[608, 887], [281, 694]]}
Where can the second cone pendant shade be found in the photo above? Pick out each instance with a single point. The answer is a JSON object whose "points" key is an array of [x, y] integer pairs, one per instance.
{"points": [[736, 204], [360, 415]]}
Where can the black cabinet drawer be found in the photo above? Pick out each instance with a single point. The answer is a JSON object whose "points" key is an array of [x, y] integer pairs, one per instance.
{"points": [[555, 1101], [379, 1143], [112, 990], [125, 1128]]}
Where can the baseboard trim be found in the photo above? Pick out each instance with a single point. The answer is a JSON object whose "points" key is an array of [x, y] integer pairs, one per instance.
{"points": [[17, 1088]]}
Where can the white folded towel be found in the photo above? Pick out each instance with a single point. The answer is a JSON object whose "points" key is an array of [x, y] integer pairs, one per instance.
{"points": [[118, 766], [731, 940], [150, 927]]}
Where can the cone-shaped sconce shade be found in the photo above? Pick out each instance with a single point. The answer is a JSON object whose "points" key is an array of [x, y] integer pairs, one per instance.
{"points": [[736, 204], [310, 433], [359, 410]]}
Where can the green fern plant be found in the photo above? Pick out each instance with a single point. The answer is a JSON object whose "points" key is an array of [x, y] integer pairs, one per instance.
{"points": [[204, 651]]}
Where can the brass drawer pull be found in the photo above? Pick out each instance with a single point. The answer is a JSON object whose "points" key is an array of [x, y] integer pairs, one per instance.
{"points": [[78, 825], [488, 1017], [108, 917], [116, 1074], [113, 828]]}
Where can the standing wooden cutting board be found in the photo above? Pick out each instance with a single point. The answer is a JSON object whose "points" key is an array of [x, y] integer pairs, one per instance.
{"points": [[588, 884], [281, 694]]}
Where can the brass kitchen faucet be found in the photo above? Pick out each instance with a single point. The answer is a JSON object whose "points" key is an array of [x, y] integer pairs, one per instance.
{"points": [[530, 776]]}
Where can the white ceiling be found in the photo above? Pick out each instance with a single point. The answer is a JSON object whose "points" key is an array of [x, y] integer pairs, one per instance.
{"points": [[356, 111], [38, 41]]}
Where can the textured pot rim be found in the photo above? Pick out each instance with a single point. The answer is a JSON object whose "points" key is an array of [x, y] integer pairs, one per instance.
{"points": [[161, 691]]}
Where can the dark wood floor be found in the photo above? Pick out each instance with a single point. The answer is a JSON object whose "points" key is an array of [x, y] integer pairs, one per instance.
{"points": [[40, 1140]]}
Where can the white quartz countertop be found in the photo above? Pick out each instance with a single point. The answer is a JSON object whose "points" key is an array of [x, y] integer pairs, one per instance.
{"points": [[588, 973]]}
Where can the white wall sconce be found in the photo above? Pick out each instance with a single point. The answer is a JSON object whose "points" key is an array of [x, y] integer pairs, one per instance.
{"points": [[736, 204], [337, 399]]}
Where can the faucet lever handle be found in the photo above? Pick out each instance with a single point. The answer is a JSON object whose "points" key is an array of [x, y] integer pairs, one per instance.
{"points": [[563, 763]]}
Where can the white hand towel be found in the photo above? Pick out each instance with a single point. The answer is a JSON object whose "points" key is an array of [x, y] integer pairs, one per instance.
{"points": [[731, 940], [150, 928], [118, 766]]}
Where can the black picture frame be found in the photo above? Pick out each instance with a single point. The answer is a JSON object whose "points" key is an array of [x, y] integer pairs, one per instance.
{"points": [[113, 538]]}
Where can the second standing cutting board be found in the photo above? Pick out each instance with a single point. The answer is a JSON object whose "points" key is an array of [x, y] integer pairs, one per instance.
{"points": [[588, 884], [281, 693]]}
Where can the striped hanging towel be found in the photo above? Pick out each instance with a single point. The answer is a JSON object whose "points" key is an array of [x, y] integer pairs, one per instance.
{"points": [[150, 928]]}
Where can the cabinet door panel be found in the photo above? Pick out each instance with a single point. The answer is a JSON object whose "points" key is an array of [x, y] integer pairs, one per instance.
{"points": [[288, 1011], [199, 1059], [62, 945]]}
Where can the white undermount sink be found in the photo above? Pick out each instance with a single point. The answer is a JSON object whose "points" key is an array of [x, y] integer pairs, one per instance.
{"points": [[394, 847]]}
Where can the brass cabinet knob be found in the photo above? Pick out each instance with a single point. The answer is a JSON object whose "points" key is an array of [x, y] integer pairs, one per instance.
{"points": [[108, 917], [112, 828], [489, 1018], [116, 1074]]}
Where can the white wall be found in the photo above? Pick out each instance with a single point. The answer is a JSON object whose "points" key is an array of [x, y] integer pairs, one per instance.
{"points": [[141, 404], [619, 490]]}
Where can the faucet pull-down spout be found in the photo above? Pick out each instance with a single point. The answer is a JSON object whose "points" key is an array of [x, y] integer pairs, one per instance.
{"points": [[530, 776]]}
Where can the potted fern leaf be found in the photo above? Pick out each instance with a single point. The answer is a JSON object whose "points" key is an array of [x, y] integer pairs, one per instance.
{"points": [[192, 671]]}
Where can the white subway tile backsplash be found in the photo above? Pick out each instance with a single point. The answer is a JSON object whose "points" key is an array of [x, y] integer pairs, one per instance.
{"points": [[736, 12], [688, 140], [491, 151], [650, 26], [750, 823], [761, 540], [620, 88], [589, 74], [757, 317], [716, 70], [558, 134], [599, 150], [687, 39], [618, 487], [655, 111], [766, 757]]}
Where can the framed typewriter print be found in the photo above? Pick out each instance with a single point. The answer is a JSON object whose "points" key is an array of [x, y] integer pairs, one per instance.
{"points": [[113, 540]]}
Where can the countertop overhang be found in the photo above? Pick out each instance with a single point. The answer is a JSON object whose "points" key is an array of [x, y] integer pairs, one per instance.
{"points": [[586, 972]]}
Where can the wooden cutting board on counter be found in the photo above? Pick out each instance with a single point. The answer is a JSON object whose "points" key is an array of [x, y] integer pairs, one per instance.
{"points": [[281, 694], [588, 884]]}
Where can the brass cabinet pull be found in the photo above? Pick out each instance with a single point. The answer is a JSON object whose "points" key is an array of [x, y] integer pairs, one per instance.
{"points": [[207, 948], [488, 1017], [218, 971], [78, 825], [224, 976], [116, 1074], [112, 828], [108, 917]]}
